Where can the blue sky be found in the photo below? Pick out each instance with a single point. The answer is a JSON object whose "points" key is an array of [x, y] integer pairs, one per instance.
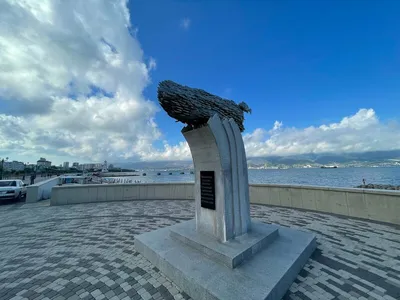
{"points": [[301, 62], [78, 79]]}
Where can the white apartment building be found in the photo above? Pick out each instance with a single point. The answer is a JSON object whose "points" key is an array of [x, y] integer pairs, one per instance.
{"points": [[14, 165], [42, 162], [84, 167]]}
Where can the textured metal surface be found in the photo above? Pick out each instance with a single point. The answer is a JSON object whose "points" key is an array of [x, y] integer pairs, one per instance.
{"points": [[194, 107]]}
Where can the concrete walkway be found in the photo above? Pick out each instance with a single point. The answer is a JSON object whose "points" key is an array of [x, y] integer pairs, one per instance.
{"points": [[28, 178], [87, 252]]}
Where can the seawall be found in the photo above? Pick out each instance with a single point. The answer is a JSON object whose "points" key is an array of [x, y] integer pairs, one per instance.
{"points": [[377, 205]]}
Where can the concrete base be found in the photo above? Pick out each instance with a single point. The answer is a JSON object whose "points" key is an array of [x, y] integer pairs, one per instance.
{"points": [[267, 275], [231, 253]]}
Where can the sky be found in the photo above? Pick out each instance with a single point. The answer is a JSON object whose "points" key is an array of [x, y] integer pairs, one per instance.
{"points": [[78, 79]]}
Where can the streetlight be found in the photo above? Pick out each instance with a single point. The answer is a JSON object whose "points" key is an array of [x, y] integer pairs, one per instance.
{"points": [[25, 166], [2, 168]]}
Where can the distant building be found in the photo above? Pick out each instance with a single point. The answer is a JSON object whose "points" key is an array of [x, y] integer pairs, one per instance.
{"points": [[75, 165], [14, 165], [43, 163], [66, 165], [104, 168], [84, 167]]}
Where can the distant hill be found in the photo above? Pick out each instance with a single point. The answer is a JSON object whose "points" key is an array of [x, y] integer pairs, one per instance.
{"points": [[327, 158], [301, 159]]}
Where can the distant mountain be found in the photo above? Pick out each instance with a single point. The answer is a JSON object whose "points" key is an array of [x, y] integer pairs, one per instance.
{"points": [[300, 159], [327, 158], [332, 157]]}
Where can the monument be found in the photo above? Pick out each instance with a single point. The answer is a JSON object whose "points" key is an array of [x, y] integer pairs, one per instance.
{"points": [[222, 253]]}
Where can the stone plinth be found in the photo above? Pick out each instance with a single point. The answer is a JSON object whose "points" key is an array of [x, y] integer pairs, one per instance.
{"points": [[232, 253], [267, 275]]}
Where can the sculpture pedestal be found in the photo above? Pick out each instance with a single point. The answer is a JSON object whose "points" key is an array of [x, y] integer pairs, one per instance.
{"points": [[222, 254], [204, 276], [232, 253], [218, 151]]}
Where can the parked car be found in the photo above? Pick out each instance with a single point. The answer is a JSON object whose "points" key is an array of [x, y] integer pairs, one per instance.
{"points": [[12, 189]]}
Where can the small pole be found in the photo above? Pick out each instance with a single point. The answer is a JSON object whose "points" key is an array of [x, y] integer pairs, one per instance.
{"points": [[2, 167]]}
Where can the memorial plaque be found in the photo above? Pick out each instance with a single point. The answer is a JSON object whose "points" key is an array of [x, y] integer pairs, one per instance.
{"points": [[207, 189]]}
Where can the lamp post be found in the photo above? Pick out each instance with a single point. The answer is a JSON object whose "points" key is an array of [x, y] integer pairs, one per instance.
{"points": [[2, 167], [25, 164]]}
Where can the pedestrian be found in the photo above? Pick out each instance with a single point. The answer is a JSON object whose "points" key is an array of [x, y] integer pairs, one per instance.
{"points": [[32, 178]]}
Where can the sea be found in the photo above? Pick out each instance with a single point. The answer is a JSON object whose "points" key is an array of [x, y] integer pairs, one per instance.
{"points": [[340, 177]]}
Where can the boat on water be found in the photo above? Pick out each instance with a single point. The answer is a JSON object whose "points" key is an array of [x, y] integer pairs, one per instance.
{"points": [[328, 167]]}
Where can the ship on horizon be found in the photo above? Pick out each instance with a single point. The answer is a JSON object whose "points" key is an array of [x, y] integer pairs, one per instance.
{"points": [[329, 167]]}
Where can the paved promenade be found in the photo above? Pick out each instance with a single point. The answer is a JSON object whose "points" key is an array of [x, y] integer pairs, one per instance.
{"points": [[88, 252], [28, 180]]}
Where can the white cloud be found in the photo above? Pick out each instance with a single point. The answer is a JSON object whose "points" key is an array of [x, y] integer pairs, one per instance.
{"points": [[185, 23], [71, 78], [72, 75], [152, 64], [358, 133], [180, 151], [277, 125]]}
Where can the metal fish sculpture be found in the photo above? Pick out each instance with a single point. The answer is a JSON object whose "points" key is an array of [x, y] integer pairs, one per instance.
{"points": [[194, 107]]}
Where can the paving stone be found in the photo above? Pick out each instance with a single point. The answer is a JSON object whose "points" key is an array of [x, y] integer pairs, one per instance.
{"points": [[65, 252], [109, 294], [84, 294]]}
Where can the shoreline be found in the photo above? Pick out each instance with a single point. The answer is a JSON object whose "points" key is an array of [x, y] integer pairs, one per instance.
{"points": [[374, 186]]}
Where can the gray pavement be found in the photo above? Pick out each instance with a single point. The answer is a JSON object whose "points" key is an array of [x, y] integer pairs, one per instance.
{"points": [[87, 252], [37, 179], [28, 180]]}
